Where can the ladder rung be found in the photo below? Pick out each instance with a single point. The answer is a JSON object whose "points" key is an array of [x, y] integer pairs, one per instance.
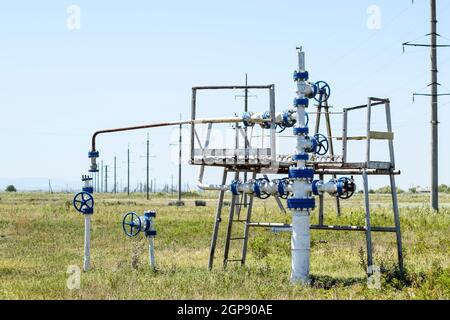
{"points": [[242, 204], [238, 238], [236, 260]]}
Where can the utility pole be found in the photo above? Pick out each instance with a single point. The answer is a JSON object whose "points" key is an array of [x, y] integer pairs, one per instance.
{"points": [[246, 144], [106, 179], [50, 187], [434, 199], [179, 165], [434, 112], [128, 170], [148, 166], [101, 176], [115, 174]]}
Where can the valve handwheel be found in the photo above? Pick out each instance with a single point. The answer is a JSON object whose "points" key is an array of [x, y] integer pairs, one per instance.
{"points": [[84, 202], [131, 224], [322, 144], [348, 188], [323, 91]]}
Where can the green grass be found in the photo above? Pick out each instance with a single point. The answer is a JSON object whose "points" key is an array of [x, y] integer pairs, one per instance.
{"points": [[41, 235]]}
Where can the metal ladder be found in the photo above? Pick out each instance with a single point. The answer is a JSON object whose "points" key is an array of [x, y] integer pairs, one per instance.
{"points": [[237, 202]]}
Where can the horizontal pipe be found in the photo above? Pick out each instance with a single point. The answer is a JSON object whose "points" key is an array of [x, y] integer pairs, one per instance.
{"points": [[231, 87], [212, 187], [174, 123], [364, 106], [321, 227]]}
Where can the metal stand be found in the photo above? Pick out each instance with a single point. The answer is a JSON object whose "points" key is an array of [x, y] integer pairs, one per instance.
{"points": [[365, 169]]}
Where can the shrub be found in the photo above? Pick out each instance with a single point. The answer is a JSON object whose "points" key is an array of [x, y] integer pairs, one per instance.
{"points": [[11, 188]]}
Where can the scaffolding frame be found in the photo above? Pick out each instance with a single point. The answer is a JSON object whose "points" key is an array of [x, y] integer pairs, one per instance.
{"points": [[338, 166]]}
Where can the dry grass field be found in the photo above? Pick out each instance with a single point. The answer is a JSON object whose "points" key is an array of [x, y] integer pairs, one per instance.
{"points": [[41, 235]]}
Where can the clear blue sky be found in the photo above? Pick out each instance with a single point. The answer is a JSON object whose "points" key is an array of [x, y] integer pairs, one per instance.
{"points": [[134, 62]]}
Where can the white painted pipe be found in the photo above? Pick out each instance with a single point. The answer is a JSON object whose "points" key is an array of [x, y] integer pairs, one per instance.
{"points": [[87, 242], [151, 252], [300, 247], [212, 187], [300, 239]]}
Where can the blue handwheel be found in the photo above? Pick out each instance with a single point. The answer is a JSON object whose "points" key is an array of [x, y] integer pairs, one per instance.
{"points": [[347, 186], [323, 91], [322, 144], [84, 202], [131, 224]]}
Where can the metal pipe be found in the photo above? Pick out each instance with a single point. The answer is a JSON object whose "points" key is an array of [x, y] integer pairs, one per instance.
{"points": [[174, 123], [87, 242]]}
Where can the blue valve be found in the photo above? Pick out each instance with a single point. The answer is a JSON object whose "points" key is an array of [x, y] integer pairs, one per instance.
{"points": [[322, 144], [345, 187], [323, 91], [84, 202], [131, 224]]}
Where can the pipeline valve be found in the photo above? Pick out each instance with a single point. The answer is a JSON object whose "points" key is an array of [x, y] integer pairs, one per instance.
{"points": [[83, 201], [344, 187], [133, 224]]}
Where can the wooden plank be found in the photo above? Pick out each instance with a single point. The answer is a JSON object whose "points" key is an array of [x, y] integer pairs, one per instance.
{"points": [[381, 135]]}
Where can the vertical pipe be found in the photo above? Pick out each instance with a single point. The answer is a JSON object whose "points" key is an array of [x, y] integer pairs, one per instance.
{"points": [[434, 111], [151, 252], [87, 242], [300, 240]]}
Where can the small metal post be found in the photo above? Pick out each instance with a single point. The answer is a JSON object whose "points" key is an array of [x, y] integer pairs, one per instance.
{"points": [[321, 204], [273, 145], [369, 114], [344, 136], [193, 112]]}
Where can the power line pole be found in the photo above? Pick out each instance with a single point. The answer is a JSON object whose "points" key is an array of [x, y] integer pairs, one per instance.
{"points": [[115, 174], [128, 170], [50, 187], [434, 199], [179, 164], [101, 176], [434, 112], [106, 179], [148, 166]]}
